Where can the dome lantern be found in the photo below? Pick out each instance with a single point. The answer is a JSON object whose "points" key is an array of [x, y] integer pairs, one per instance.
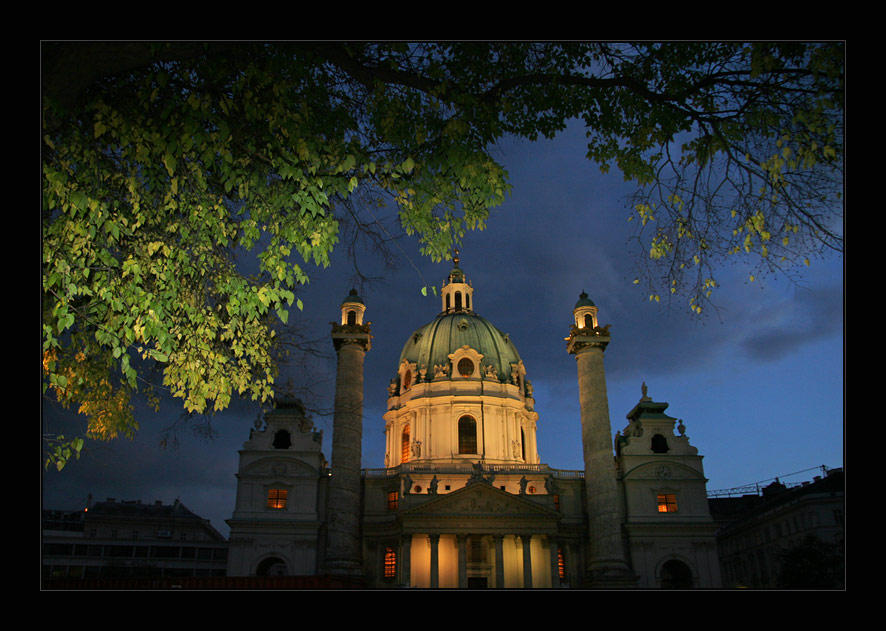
{"points": [[585, 312], [457, 295], [352, 309]]}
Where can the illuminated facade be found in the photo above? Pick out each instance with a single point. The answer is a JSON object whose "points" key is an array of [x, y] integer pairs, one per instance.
{"points": [[463, 499]]}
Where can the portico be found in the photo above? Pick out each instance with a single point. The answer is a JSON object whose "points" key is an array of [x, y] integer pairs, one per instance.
{"points": [[477, 536]]}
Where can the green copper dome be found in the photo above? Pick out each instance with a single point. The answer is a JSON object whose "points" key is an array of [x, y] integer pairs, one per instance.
{"points": [[352, 297], [432, 344], [584, 301]]}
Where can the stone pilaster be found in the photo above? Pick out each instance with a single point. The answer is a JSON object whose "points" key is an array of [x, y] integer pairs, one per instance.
{"points": [[607, 566], [344, 547]]}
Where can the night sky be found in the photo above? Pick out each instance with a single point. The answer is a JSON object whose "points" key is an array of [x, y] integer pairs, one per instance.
{"points": [[759, 384]]}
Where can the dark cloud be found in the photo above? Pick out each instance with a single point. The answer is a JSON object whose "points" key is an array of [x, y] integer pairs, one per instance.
{"points": [[784, 327]]}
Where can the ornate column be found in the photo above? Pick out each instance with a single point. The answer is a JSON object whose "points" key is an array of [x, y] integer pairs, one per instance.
{"points": [[351, 339], [607, 566]]}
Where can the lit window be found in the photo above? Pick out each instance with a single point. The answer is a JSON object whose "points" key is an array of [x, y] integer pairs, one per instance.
{"points": [[404, 445], [561, 565], [465, 367], [467, 435], [667, 503], [390, 563], [277, 498], [393, 500]]}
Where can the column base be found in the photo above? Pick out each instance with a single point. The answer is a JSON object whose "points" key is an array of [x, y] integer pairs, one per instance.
{"points": [[612, 575], [343, 567]]}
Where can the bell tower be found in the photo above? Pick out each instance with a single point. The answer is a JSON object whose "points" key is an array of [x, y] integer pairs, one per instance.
{"points": [[351, 339], [607, 562]]}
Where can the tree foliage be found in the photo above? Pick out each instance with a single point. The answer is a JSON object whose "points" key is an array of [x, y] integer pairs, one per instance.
{"points": [[162, 161]]}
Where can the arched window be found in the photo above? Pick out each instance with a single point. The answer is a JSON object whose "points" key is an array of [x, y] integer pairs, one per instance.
{"points": [[282, 440], [467, 301], [458, 301], [589, 321], [467, 435], [522, 444], [404, 444], [352, 317], [659, 444]]}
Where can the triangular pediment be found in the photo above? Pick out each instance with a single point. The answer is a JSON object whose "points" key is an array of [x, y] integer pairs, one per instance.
{"points": [[480, 500]]}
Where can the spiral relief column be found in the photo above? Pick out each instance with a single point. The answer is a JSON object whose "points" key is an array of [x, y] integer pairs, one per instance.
{"points": [[607, 566], [351, 339]]}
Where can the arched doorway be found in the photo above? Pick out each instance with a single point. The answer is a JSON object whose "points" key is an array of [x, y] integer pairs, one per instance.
{"points": [[676, 575], [272, 566]]}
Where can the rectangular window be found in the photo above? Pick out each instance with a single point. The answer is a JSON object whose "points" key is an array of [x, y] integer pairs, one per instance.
{"points": [[277, 498], [667, 503], [390, 564], [393, 500], [561, 565]]}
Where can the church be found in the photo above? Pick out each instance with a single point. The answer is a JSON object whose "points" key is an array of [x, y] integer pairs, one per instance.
{"points": [[464, 499]]}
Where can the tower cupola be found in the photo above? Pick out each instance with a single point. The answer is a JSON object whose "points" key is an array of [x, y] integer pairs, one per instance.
{"points": [[457, 293], [585, 312], [352, 309]]}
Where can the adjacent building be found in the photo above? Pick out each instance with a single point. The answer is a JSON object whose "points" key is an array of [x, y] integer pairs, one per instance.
{"points": [[130, 540], [784, 537]]}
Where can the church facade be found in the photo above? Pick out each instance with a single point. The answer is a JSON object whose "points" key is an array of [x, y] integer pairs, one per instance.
{"points": [[464, 499]]}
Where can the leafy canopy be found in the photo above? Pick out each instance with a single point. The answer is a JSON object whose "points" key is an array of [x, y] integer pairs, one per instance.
{"points": [[162, 161]]}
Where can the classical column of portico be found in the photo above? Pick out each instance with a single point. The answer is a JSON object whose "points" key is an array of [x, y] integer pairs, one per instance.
{"points": [[607, 565], [527, 561], [499, 561], [435, 560], [461, 541], [351, 339]]}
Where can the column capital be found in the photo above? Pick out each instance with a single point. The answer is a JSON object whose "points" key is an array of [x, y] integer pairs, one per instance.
{"points": [[359, 334], [581, 339]]}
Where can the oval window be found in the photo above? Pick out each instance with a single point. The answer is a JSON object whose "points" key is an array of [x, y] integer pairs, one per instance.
{"points": [[465, 367]]}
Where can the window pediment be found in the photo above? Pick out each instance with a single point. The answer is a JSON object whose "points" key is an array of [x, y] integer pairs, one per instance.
{"points": [[466, 363]]}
